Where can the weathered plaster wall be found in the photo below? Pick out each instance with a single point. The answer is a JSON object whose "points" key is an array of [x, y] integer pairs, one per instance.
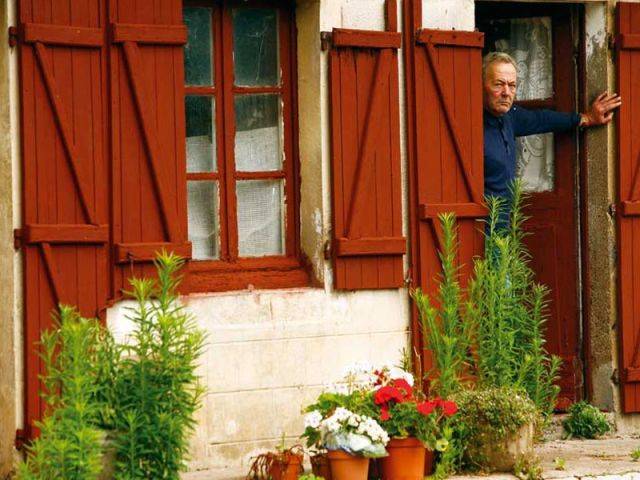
{"points": [[600, 184], [10, 352]]}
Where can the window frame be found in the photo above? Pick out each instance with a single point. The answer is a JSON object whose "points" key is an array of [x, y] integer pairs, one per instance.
{"points": [[230, 271]]}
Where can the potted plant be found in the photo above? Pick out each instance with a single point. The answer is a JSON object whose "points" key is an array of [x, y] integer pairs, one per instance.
{"points": [[496, 425], [412, 423], [282, 464]]}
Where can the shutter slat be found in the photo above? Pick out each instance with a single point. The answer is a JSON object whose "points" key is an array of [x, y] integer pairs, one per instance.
{"points": [[149, 34], [60, 233], [628, 64], [63, 35]]}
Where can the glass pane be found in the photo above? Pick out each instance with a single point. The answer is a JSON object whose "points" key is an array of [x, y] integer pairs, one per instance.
{"points": [[529, 42], [258, 133], [198, 51], [201, 134], [260, 218], [203, 219], [255, 46], [535, 162]]}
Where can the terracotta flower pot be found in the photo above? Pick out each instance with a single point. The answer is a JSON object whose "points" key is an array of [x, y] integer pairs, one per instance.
{"points": [[320, 466], [406, 460], [347, 467], [287, 467]]}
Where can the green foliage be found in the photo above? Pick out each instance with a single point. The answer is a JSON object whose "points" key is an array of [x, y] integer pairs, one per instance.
{"points": [[585, 421], [508, 312], [635, 455], [527, 468], [486, 416], [152, 382], [69, 446], [559, 463], [406, 421], [310, 476], [446, 333]]}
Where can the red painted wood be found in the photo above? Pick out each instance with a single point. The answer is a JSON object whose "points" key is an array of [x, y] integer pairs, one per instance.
{"points": [[342, 37], [148, 130], [366, 195], [446, 170], [628, 63], [629, 41], [147, 252], [64, 169]]}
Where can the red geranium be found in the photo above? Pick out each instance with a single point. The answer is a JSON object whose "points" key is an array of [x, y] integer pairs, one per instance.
{"points": [[426, 408], [403, 385], [386, 394], [449, 408]]}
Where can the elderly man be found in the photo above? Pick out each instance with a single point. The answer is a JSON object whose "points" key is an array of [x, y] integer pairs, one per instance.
{"points": [[503, 122]]}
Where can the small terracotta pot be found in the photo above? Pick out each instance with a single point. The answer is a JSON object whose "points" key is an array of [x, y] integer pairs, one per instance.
{"points": [[287, 467], [320, 466], [429, 463], [347, 467], [406, 460]]}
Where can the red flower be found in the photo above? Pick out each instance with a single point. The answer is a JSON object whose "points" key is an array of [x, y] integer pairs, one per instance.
{"points": [[384, 414], [386, 394], [449, 408], [403, 385], [426, 408]]}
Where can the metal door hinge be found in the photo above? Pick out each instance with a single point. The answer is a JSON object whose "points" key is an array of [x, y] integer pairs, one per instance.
{"points": [[611, 41], [612, 210], [17, 238], [325, 40], [13, 36], [327, 250], [21, 439], [615, 377]]}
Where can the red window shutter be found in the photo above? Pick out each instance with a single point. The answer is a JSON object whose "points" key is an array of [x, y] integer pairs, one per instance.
{"points": [[449, 145], [64, 166], [148, 134], [368, 244], [628, 218]]}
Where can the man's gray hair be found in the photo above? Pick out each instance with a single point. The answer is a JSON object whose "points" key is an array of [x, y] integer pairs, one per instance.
{"points": [[496, 57]]}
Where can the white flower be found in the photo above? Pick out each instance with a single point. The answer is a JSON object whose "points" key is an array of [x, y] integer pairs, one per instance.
{"points": [[312, 419], [357, 368]]}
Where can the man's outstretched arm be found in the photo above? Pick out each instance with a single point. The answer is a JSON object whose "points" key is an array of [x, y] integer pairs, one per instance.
{"points": [[601, 111]]}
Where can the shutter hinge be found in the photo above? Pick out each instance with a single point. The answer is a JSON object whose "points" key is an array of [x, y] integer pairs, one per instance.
{"points": [[408, 280], [613, 210], [13, 36], [327, 250], [21, 439], [615, 377], [611, 41], [325, 40], [18, 238]]}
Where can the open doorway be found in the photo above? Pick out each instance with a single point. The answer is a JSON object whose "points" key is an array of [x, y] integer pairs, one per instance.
{"points": [[542, 38]]}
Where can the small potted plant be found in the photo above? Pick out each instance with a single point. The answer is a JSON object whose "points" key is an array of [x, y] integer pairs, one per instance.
{"points": [[283, 464], [412, 422]]}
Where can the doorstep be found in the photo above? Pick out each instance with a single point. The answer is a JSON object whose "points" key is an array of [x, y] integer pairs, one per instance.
{"points": [[605, 459]]}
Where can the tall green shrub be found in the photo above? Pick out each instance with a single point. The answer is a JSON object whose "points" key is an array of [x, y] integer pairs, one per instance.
{"points": [[507, 309], [69, 446], [155, 390], [445, 331]]}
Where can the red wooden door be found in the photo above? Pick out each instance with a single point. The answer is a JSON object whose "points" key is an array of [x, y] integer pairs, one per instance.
{"points": [[628, 210], [368, 244], [64, 169], [540, 40], [449, 159]]}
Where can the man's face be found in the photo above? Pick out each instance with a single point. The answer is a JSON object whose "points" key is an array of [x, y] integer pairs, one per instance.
{"points": [[499, 88]]}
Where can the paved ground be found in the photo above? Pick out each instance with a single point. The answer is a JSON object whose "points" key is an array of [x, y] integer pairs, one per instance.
{"points": [[606, 459]]}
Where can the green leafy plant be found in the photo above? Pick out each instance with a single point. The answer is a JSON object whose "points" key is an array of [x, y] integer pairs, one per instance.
{"points": [[310, 476], [446, 333], [585, 421], [69, 446], [528, 468], [486, 416], [559, 463], [635, 455], [507, 310], [154, 388]]}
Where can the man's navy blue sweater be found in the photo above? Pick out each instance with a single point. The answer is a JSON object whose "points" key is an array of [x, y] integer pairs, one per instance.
{"points": [[500, 142]]}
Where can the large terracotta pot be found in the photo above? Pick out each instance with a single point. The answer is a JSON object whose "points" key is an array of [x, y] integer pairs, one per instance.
{"points": [[502, 456], [320, 466], [347, 467], [406, 460], [286, 467]]}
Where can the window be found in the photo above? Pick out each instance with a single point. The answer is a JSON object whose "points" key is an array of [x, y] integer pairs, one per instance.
{"points": [[241, 171]]}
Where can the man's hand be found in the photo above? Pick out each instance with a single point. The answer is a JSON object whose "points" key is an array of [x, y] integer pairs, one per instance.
{"points": [[601, 111]]}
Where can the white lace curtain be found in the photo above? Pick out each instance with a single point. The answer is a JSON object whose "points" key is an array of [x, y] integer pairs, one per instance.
{"points": [[530, 44]]}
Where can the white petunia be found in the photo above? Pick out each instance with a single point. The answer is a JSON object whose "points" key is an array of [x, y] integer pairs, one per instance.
{"points": [[312, 419]]}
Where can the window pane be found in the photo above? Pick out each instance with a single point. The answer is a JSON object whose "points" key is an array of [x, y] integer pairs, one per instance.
{"points": [[258, 133], [255, 46], [203, 219], [535, 162], [260, 219], [201, 134], [198, 51]]}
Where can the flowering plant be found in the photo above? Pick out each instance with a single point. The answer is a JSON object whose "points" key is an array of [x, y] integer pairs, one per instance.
{"points": [[345, 430], [404, 413]]}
